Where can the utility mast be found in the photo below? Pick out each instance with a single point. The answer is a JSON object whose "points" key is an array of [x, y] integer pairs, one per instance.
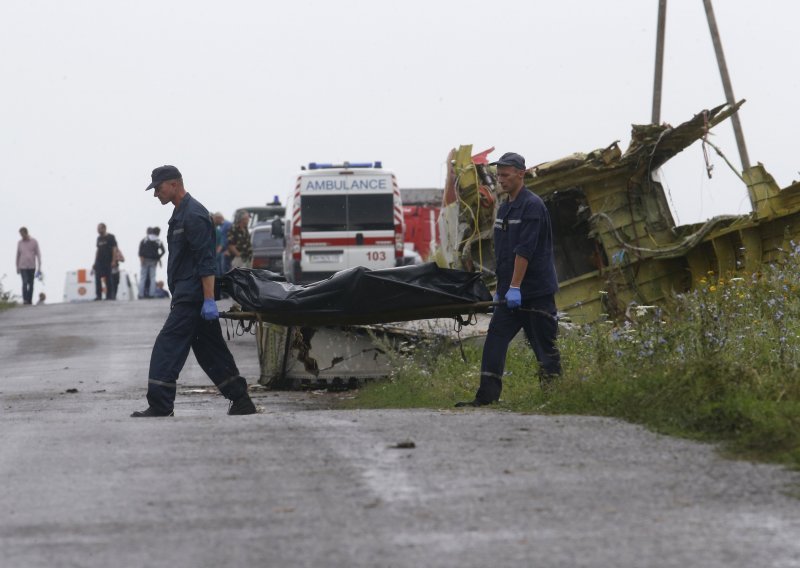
{"points": [[657, 81], [723, 71]]}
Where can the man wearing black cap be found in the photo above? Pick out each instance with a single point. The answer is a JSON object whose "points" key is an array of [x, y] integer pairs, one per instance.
{"points": [[193, 321], [526, 279]]}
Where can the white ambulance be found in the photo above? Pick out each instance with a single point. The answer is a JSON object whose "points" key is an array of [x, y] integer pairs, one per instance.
{"points": [[342, 216]]}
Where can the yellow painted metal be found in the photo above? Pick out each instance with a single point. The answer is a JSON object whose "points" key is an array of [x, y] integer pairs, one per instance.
{"points": [[753, 249], [725, 253], [645, 256], [763, 192]]}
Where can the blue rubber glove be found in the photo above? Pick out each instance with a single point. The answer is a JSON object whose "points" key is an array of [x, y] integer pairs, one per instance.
{"points": [[513, 298], [209, 310]]}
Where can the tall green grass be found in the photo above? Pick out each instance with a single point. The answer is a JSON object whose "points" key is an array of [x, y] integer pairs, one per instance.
{"points": [[720, 363]]}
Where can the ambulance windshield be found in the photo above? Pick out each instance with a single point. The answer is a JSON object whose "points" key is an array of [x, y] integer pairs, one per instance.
{"points": [[370, 212]]}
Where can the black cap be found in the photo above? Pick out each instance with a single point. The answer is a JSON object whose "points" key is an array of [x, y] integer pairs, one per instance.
{"points": [[510, 159], [162, 174]]}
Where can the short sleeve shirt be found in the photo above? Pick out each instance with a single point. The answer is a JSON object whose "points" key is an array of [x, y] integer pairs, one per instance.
{"points": [[105, 249], [240, 238]]}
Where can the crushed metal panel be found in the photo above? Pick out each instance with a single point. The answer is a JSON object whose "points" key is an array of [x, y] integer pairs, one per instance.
{"points": [[615, 238], [466, 220], [347, 356], [330, 356]]}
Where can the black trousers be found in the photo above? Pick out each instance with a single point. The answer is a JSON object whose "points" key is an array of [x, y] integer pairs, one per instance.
{"points": [[101, 272], [538, 319], [27, 275], [185, 329], [115, 284]]}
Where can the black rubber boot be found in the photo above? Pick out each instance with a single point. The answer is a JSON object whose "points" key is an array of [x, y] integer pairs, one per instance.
{"points": [[242, 406], [150, 413]]}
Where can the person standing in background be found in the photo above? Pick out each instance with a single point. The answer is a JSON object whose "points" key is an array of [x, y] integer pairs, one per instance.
{"points": [[29, 263], [150, 252], [223, 258], [118, 257], [103, 260], [277, 227], [239, 246]]}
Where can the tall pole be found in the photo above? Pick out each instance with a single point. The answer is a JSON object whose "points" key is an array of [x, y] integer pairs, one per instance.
{"points": [[726, 84], [659, 74]]}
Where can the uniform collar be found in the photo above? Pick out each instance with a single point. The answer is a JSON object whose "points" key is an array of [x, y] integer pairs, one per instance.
{"points": [[519, 200], [181, 206]]}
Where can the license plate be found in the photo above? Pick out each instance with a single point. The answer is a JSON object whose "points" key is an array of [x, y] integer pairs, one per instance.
{"points": [[323, 258]]}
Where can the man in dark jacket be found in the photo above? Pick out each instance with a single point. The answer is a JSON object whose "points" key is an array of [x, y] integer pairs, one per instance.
{"points": [[526, 278], [150, 252], [105, 258], [193, 321]]}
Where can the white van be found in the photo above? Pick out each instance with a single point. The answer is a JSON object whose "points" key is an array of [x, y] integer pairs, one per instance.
{"points": [[342, 216]]}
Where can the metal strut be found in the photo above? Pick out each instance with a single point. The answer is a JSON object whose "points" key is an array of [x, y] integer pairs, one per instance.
{"points": [[723, 71], [726, 83]]}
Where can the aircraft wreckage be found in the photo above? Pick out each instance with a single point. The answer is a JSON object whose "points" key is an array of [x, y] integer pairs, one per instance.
{"points": [[616, 244]]}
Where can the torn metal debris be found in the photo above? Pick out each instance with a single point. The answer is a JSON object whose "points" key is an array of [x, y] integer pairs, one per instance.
{"points": [[616, 242]]}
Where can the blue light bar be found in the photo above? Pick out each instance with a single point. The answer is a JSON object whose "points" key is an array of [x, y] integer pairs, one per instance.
{"points": [[320, 166]]}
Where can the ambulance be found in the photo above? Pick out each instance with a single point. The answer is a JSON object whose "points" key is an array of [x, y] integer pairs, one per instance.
{"points": [[342, 216]]}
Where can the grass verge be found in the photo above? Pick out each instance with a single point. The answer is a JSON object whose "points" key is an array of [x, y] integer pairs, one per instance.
{"points": [[719, 364]]}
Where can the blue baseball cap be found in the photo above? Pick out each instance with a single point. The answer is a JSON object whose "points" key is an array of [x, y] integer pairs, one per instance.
{"points": [[162, 174], [510, 159]]}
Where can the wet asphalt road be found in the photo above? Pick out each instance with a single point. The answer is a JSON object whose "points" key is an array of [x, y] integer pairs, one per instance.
{"points": [[300, 485]]}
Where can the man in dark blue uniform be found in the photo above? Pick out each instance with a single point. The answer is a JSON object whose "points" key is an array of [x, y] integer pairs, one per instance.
{"points": [[526, 278], [193, 321]]}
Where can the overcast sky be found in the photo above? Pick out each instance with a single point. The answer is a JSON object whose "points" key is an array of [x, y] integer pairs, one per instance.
{"points": [[238, 95]]}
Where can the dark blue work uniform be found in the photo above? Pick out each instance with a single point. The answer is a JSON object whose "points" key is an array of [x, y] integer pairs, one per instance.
{"points": [[522, 228], [191, 242]]}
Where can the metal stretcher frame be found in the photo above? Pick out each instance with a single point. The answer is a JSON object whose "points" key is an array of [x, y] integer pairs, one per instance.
{"points": [[322, 318]]}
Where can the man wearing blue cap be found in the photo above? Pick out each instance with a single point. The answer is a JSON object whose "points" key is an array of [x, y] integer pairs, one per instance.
{"points": [[526, 279], [193, 321]]}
